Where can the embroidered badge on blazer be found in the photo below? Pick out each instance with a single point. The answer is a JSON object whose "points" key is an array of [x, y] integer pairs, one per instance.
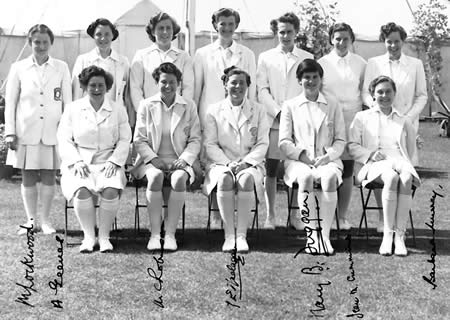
{"points": [[253, 131], [57, 94], [187, 130]]}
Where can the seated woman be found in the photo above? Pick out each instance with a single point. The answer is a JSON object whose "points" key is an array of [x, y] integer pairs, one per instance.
{"points": [[236, 139], [382, 141], [312, 137], [94, 138], [167, 139]]}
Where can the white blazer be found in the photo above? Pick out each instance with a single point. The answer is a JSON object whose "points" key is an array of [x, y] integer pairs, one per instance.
{"points": [[277, 81], [84, 134], [184, 131], [34, 105], [410, 81], [145, 61], [208, 67]]}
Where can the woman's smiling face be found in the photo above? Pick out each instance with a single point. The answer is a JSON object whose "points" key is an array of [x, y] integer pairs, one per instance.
{"points": [[384, 94]]}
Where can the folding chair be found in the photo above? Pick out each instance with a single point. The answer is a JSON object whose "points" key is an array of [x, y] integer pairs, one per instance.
{"points": [[254, 210], [67, 206], [290, 197], [365, 206], [138, 183]]}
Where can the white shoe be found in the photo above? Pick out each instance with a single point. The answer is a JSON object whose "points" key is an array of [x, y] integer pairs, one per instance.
{"points": [[344, 224], [328, 249], [87, 245], [386, 244], [229, 244], [154, 243], [216, 221], [270, 223], [380, 227], [170, 243], [296, 223], [399, 243], [47, 228], [105, 245], [241, 244]]}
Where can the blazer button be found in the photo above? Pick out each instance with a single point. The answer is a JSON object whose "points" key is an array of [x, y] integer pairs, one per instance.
{"points": [[42, 105], [41, 93], [41, 117]]}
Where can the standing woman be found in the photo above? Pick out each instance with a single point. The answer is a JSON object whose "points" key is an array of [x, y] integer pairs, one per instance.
{"points": [[104, 33], [94, 138], [276, 82], [312, 137], [161, 30], [37, 90], [236, 140], [167, 139], [343, 78], [381, 141]]}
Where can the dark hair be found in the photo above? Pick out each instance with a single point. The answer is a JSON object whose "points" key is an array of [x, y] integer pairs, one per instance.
{"points": [[104, 22], [342, 26], [167, 67], [228, 72], [308, 65], [390, 27], [225, 12], [380, 79], [94, 71], [288, 17], [157, 18], [40, 28]]}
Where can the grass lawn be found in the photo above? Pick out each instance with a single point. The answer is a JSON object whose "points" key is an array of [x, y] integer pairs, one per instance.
{"points": [[118, 286]]}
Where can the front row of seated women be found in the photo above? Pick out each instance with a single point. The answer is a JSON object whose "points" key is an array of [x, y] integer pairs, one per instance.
{"points": [[94, 137]]}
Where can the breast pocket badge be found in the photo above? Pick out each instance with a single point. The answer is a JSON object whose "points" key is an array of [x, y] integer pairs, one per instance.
{"points": [[57, 94], [253, 131]]}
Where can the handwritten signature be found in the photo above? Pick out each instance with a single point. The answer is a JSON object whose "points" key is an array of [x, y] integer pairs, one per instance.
{"points": [[314, 271], [58, 283], [356, 308], [232, 284], [158, 277], [29, 271], [432, 279]]}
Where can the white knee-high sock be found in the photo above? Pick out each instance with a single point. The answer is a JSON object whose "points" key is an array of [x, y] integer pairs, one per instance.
{"points": [[46, 193], [154, 209], [30, 198], [389, 200], [107, 212], [404, 204], [244, 205], [307, 206], [328, 201], [85, 212], [174, 207], [225, 202]]}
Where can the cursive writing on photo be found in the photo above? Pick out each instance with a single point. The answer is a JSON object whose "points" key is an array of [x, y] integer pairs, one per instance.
{"points": [[356, 310], [234, 282], [432, 278], [58, 281], [27, 261], [157, 275], [319, 303]]}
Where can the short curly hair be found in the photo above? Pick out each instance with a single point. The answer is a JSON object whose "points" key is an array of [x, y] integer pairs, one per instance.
{"points": [[40, 28], [288, 17], [157, 18], [104, 22], [341, 26], [167, 67], [308, 65], [228, 72], [94, 71], [390, 27], [225, 12], [380, 79]]}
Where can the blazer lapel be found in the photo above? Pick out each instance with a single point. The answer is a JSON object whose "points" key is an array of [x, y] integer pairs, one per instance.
{"points": [[177, 114], [104, 114], [229, 116], [246, 114], [155, 111], [236, 57], [171, 57]]}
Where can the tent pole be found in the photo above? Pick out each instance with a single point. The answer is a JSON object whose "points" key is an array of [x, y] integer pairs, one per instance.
{"points": [[190, 25]]}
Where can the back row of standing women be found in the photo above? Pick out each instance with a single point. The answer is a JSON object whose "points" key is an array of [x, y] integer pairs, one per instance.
{"points": [[346, 76]]}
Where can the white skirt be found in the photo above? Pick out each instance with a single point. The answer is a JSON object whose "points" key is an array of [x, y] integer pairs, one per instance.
{"points": [[216, 171], [96, 182], [296, 169], [188, 169], [34, 157]]}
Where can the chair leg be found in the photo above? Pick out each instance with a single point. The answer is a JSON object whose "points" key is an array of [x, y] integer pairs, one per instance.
{"points": [[290, 207], [208, 225], [65, 223], [412, 228], [136, 209], [336, 216]]}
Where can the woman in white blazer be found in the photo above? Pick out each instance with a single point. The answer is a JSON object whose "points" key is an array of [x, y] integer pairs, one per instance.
{"points": [[104, 33], [37, 91], [343, 78], [167, 140], [94, 138], [382, 141], [276, 82], [236, 137], [312, 138], [161, 29], [211, 60]]}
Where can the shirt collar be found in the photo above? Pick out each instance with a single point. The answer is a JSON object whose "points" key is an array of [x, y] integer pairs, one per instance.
{"points": [[178, 99], [154, 47], [241, 105], [335, 57], [113, 55], [401, 61], [302, 99], [376, 108], [106, 105], [233, 46], [30, 62]]}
